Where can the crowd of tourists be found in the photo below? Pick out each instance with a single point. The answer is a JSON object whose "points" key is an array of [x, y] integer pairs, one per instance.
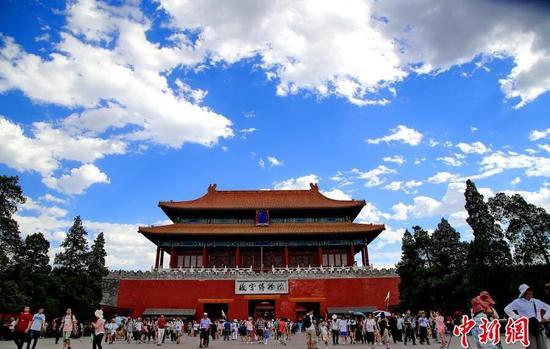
{"points": [[371, 329]]}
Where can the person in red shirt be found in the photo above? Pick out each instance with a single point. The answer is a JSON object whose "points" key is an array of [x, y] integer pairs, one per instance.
{"points": [[161, 325], [24, 321]]}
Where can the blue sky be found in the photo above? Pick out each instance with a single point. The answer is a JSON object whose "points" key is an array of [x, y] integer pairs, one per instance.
{"points": [[107, 108]]}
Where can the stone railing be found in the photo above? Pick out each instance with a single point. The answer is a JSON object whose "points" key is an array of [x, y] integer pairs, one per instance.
{"points": [[249, 273]]}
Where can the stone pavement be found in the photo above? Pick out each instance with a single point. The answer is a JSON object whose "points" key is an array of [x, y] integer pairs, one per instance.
{"points": [[296, 342]]}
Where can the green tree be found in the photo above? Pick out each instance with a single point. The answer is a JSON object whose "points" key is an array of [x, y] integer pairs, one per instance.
{"points": [[423, 245], [11, 196], [527, 227], [35, 255], [449, 256], [96, 267], [488, 250], [74, 257], [407, 269], [12, 296]]}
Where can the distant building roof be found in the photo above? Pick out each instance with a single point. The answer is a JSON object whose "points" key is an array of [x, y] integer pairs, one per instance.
{"points": [[262, 199]]}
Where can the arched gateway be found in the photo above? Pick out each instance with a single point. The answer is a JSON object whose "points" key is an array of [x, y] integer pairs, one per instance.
{"points": [[259, 252]]}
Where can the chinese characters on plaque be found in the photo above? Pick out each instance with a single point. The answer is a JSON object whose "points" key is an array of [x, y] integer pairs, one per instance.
{"points": [[516, 331], [261, 286]]}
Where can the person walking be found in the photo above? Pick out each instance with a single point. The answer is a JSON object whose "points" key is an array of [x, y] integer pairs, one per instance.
{"points": [[530, 307], [69, 326], [309, 328], [439, 322], [204, 327], [334, 329], [99, 329], [423, 325], [22, 327], [38, 324], [161, 328], [370, 327]]}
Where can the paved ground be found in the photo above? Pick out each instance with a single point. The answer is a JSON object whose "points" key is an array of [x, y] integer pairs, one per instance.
{"points": [[296, 342]]}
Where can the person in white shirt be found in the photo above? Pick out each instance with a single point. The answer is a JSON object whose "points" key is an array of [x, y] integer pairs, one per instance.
{"points": [[334, 327], [178, 328], [529, 307], [37, 326], [370, 327], [343, 327]]}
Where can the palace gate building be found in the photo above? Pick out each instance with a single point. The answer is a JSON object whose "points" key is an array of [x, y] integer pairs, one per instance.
{"points": [[256, 253]]}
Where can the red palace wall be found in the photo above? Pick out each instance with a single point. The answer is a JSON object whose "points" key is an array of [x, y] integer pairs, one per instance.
{"points": [[193, 294]]}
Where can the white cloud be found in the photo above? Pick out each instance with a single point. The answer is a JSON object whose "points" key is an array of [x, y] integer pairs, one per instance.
{"points": [[296, 183], [44, 151], [273, 161], [515, 181], [545, 147], [475, 147], [126, 249], [450, 205], [454, 161], [403, 185], [371, 214], [130, 75], [77, 180], [374, 177], [336, 194], [438, 36], [323, 57], [396, 159], [261, 162], [50, 198], [534, 166], [443, 177], [402, 134], [535, 135]]}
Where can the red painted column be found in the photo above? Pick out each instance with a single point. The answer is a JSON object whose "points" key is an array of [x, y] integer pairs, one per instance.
{"points": [[365, 256], [238, 257], [319, 256], [351, 253], [173, 258], [157, 258], [286, 256], [204, 257], [161, 259]]}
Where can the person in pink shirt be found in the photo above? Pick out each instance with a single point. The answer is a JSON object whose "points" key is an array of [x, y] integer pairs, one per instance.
{"points": [[99, 329], [439, 321]]}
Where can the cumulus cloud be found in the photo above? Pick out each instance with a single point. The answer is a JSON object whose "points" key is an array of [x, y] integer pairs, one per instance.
{"points": [[363, 49], [296, 183], [126, 249], [401, 134], [451, 205], [336, 194], [273, 161], [453, 161], [48, 146], [499, 161], [535, 135], [304, 46], [77, 180], [374, 177], [396, 159], [406, 186], [475, 147], [129, 73]]}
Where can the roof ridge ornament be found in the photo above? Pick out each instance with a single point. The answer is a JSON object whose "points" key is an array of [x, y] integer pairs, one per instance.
{"points": [[212, 187], [314, 186]]}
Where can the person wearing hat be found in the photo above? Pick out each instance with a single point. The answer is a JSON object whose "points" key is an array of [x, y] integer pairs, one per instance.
{"points": [[482, 308], [99, 329], [334, 328], [204, 326], [529, 307]]}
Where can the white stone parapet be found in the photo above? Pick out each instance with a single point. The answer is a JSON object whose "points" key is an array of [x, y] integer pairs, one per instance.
{"points": [[250, 274]]}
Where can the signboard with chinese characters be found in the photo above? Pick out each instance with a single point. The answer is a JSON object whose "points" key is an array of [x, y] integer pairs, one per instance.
{"points": [[261, 286]]}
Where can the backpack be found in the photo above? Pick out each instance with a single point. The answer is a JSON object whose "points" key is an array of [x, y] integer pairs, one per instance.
{"points": [[307, 321]]}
